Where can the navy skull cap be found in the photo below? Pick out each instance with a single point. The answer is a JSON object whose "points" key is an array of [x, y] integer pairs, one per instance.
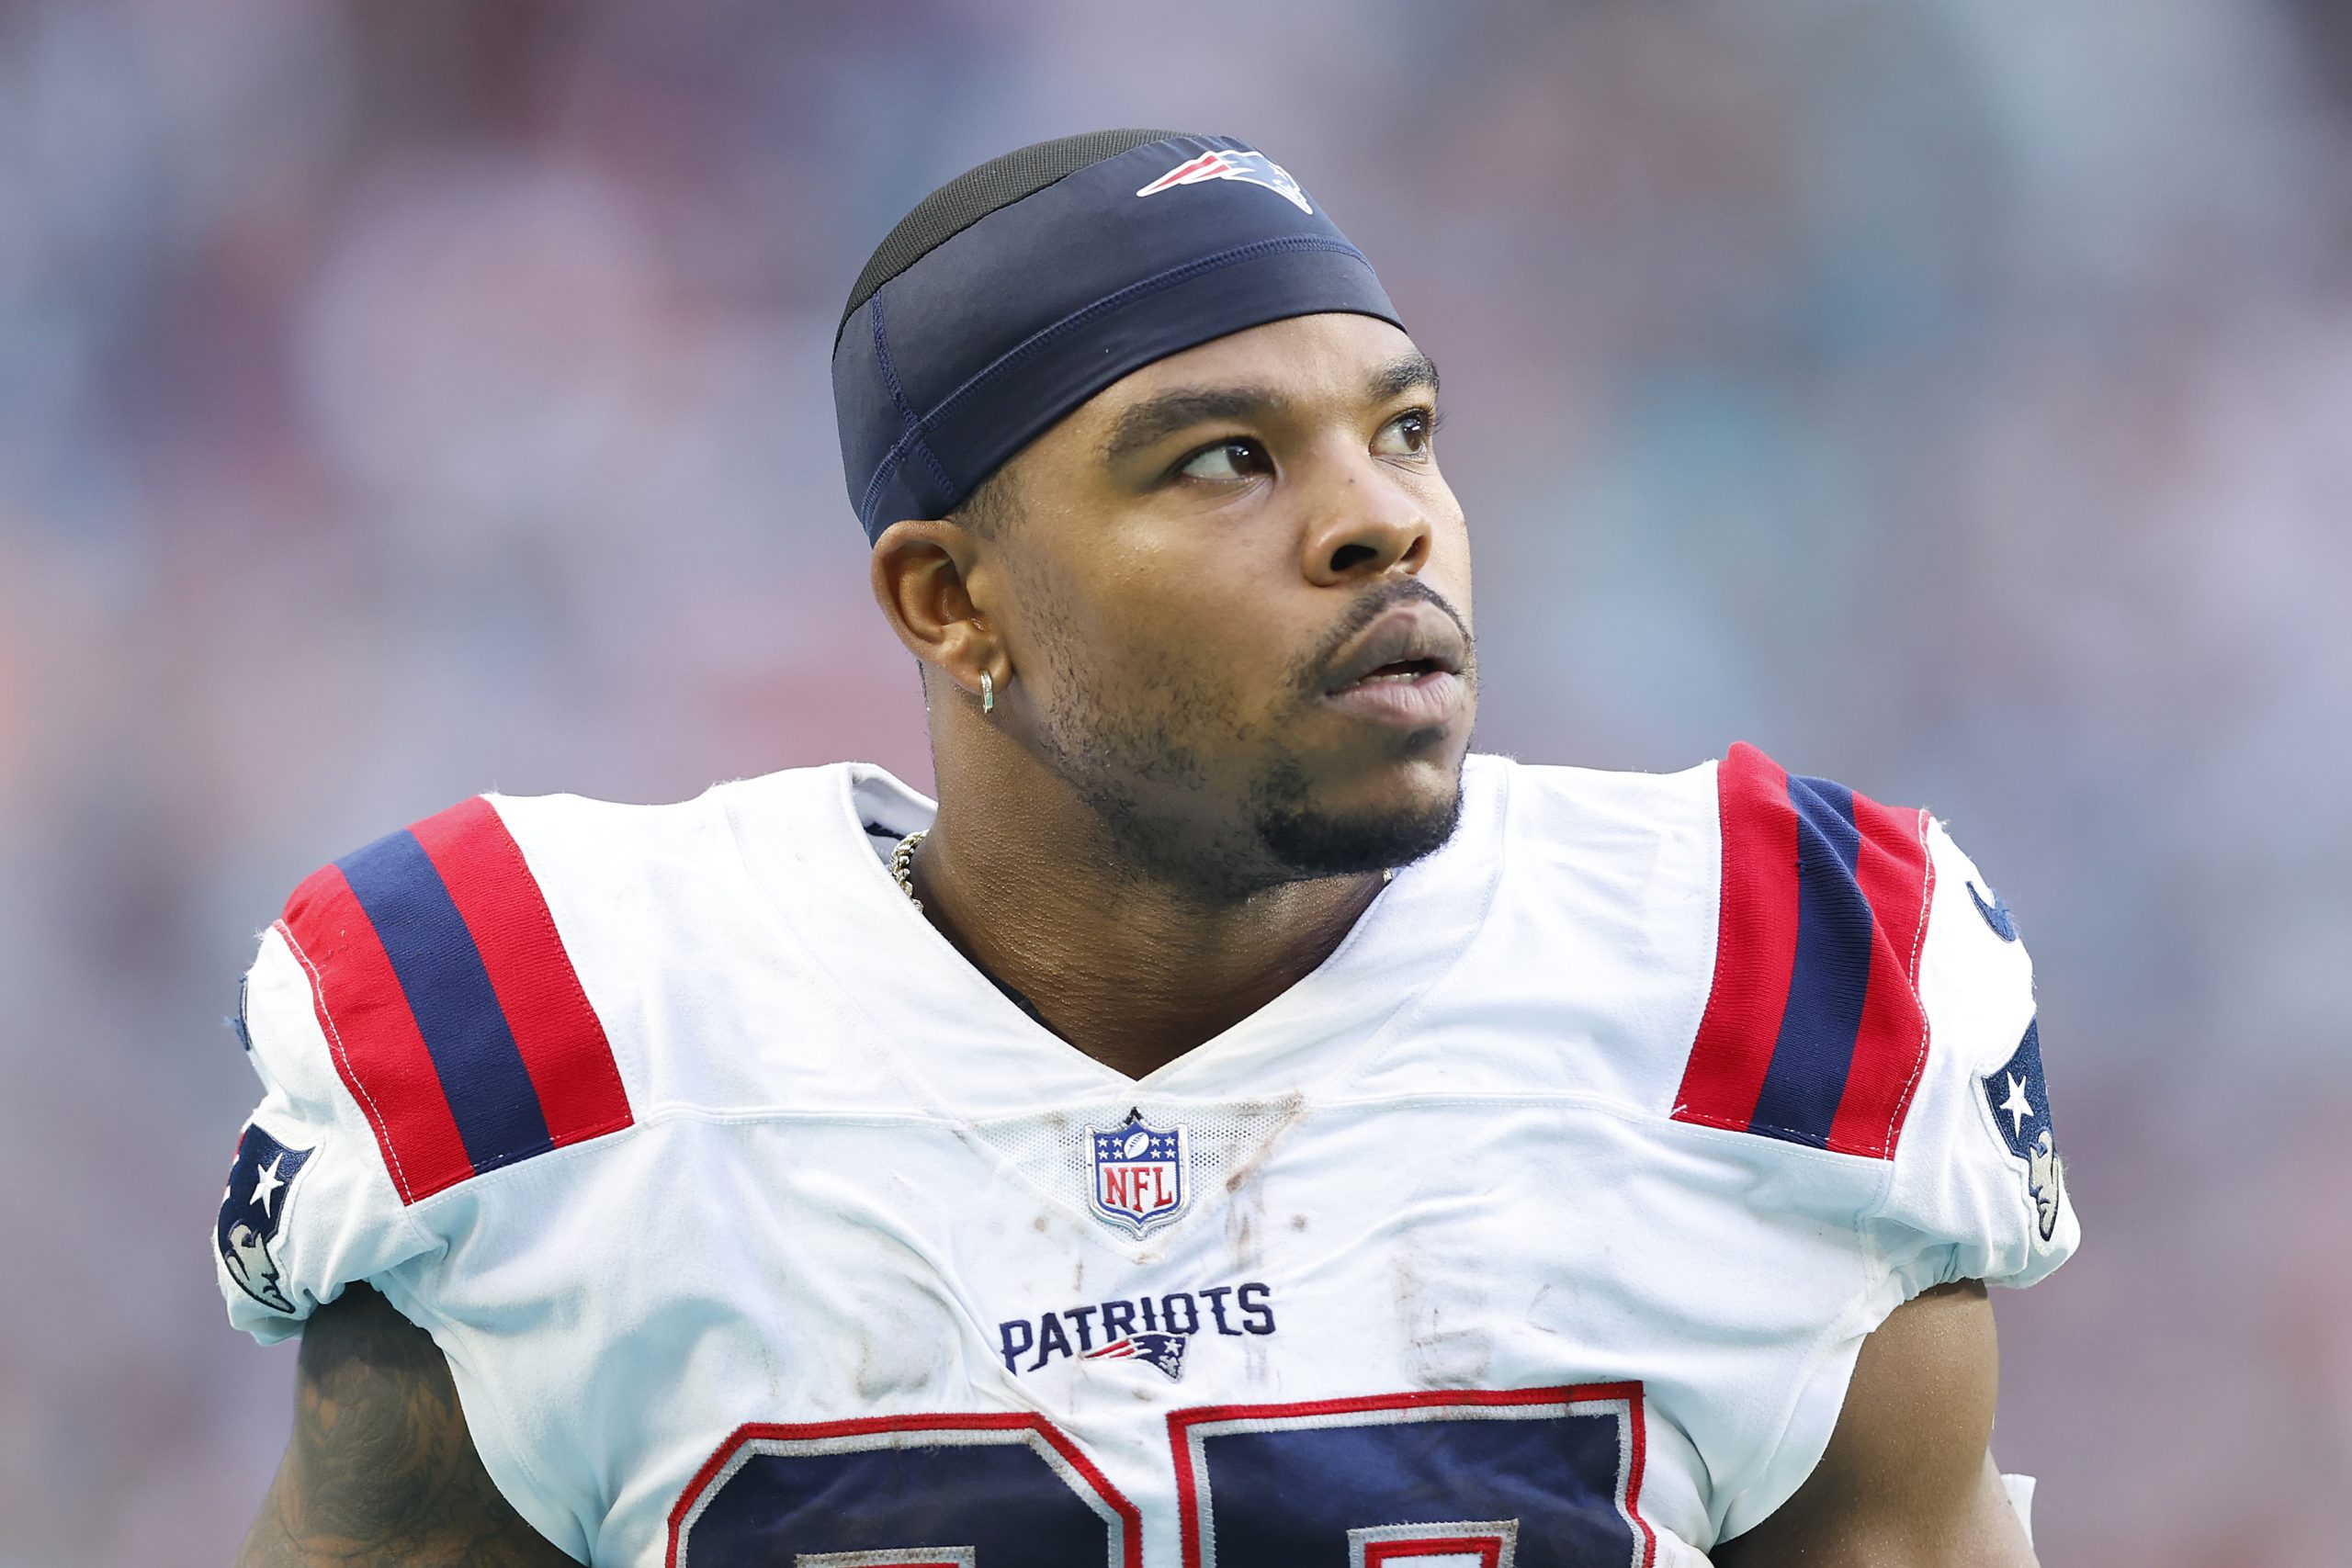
{"points": [[1018, 290]]}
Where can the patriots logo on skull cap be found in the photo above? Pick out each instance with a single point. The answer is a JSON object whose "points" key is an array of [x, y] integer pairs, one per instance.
{"points": [[1239, 164], [261, 1183]]}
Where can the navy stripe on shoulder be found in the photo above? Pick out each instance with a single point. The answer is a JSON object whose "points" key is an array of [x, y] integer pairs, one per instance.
{"points": [[1816, 1045], [449, 993]]}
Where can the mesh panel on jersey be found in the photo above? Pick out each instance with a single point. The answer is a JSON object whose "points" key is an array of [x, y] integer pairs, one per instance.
{"points": [[1222, 1140]]}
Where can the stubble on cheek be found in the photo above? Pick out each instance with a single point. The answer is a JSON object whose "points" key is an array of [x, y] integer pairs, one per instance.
{"points": [[1120, 717], [1149, 722]]}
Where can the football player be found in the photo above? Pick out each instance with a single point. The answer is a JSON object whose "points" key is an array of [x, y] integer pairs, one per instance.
{"points": [[1234, 1125]]}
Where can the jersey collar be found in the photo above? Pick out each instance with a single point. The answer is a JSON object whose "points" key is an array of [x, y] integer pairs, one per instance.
{"points": [[977, 1056]]}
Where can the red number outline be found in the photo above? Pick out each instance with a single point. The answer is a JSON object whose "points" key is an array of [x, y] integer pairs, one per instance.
{"points": [[1181, 1424], [1130, 1517], [1488, 1550]]}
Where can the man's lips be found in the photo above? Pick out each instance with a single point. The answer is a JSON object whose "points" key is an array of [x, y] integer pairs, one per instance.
{"points": [[1405, 667], [1409, 641]]}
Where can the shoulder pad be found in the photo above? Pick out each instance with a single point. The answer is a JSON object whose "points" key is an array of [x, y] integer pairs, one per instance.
{"points": [[1814, 1031], [452, 1010]]}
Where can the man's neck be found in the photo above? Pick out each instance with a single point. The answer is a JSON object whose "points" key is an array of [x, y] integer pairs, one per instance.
{"points": [[1131, 970]]}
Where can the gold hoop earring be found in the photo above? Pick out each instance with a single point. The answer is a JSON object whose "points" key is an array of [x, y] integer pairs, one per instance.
{"points": [[987, 693]]}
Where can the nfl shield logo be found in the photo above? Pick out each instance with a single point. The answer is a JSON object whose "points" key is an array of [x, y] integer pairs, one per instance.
{"points": [[1136, 1174]]}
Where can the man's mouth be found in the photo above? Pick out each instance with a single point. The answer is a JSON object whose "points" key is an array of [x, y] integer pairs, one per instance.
{"points": [[1404, 667], [1407, 670]]}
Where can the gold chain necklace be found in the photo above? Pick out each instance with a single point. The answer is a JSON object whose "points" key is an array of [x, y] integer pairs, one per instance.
{"points": [[902, 865]]}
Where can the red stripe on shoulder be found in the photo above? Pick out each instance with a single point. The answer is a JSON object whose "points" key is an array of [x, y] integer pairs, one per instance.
{"points": [[372, 1034], [1756, 944], [1897, 880], [562, 1040]]}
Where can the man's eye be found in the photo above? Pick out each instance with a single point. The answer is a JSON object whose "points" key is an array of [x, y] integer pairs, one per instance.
{"points": [[1234, 460], [1406, 435]]}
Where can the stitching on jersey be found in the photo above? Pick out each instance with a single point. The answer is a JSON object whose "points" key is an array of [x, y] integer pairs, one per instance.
{"points": [[1689, 1037], [1911, 977], [1885, 1145], [1835, 1160], [351, 1078], [1682, 1113], [601, 1129], [717, 1116], [544, 1164], [543, 919]]}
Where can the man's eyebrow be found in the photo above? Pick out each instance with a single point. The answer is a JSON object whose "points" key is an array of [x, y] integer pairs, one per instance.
{"points": [[1155, 419], [1403, 374]]}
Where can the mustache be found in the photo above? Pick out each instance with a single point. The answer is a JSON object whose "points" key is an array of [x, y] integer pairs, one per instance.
{"points": [[1308, 674]]}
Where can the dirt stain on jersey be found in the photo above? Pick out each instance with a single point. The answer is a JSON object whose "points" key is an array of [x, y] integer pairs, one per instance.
{"points": [[900, 1349], [1245, 1210], [1287, 1109], [1241, 1218], [1447, 1342]]}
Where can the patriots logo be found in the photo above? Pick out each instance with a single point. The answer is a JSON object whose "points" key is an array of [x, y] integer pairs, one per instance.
{"points": [[1165, 1351], [2020, 1106], [261, 1184], [1239, 163]]}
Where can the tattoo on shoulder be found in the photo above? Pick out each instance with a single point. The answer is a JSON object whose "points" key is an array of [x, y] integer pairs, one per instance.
{"points": [[382, 1468]]}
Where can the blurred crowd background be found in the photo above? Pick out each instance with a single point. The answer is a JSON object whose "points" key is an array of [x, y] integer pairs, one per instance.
{"points": [[399, 399]]}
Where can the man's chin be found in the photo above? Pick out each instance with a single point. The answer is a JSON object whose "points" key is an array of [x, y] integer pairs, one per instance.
{"points": [[1313, 842]]}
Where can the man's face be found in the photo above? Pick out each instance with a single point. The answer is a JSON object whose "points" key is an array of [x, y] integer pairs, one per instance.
{"points": [[1236, 592]]}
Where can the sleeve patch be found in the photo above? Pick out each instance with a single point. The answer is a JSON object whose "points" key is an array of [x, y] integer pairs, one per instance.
{"points": [[253, 1207], [1814, 1031], [452, 1009], [2020, 1107]]}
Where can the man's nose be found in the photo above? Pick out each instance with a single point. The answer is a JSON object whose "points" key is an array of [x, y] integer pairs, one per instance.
{"points": [[1363, 522]]}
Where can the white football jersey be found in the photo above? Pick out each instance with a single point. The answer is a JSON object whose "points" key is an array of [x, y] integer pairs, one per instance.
{"points": [[1540, 1226]]}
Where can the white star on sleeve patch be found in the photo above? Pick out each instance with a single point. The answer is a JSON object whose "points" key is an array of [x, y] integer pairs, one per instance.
{"points": [[267, 1183], [2017, 1105]]}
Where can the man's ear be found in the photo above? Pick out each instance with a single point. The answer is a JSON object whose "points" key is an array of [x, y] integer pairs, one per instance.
{"points": [[921, 575]]}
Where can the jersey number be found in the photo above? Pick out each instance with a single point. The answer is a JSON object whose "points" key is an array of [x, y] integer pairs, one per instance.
{"points": [[1521, 1478]]}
